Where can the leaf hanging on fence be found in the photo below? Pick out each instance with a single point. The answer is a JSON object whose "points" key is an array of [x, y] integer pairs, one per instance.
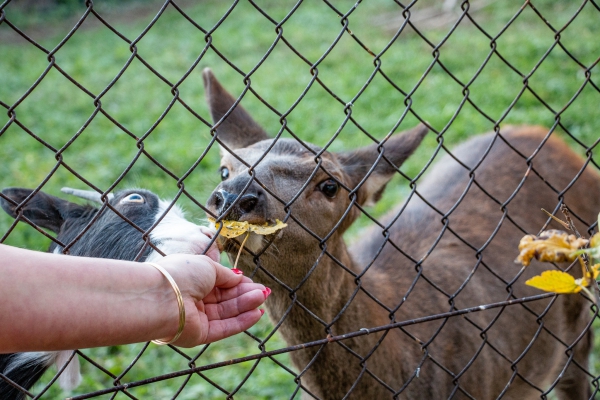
{"points": [[232, 229], [550, 246], [595, 271], [595, 240], [557, 282], [594, 249]]}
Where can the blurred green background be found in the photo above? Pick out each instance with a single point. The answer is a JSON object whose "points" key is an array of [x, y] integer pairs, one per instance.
{"points": [[56, 110]]}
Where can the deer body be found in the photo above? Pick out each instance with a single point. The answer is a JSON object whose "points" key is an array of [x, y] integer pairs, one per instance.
{"points": [[452, 250]]}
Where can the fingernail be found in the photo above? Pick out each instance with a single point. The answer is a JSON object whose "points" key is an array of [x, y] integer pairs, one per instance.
{"points": [[237, 271], [266, 292], [262, 312]]}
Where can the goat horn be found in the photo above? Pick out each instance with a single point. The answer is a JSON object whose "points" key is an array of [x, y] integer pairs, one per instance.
{"points": [[86, 194]]}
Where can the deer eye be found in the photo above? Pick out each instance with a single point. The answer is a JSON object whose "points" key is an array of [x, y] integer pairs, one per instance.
{"points": [[133, 198], [224, 173], [329, 188]]}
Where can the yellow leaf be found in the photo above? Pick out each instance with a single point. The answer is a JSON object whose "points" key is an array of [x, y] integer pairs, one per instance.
{"points": [[555, 281], [551, 246], [594, 250], [267, 229], [233, 229], [595, 240], [595, 270]]}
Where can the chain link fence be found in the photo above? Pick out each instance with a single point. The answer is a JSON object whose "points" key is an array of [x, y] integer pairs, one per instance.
{"points": [[110, 96]]}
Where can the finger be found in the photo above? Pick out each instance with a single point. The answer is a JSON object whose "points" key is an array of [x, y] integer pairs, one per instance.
{"points": [[239, 305], [220, 329], [225, 277], [218, 295]]}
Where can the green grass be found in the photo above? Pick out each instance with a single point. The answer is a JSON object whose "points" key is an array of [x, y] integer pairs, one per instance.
{"points": [[56, 110], [268, 380]]}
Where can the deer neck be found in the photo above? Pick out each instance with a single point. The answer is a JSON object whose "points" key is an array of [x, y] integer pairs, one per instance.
{"points": [[325, 292]]}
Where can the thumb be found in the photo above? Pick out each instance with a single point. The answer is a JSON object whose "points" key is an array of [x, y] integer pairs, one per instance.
{"points": [[225, 277]]}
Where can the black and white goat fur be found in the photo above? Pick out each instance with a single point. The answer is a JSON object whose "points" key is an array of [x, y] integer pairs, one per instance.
{"points": [[110, 236]]}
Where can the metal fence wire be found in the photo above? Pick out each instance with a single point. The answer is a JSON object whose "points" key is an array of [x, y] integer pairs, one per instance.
{"points": [[431, 27]]}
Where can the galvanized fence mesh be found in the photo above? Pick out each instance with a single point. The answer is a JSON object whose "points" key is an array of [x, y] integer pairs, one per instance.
{"points": [[409, 19]]}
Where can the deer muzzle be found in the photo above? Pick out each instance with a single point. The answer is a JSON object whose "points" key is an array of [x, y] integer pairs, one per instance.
{"points": [[249, 206]]}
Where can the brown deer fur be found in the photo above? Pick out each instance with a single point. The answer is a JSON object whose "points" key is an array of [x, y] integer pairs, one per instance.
{"points": [[477, 241]]}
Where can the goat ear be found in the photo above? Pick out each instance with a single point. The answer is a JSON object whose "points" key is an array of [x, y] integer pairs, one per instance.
{"points": [[42, 209], [238, 129], [397, 149]]}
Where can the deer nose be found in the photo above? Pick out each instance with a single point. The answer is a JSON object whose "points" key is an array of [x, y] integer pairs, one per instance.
{"points": [[247, 203], [222, 200]]}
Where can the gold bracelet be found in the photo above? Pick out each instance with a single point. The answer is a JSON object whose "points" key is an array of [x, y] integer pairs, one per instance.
{"points": [[179, 303]]}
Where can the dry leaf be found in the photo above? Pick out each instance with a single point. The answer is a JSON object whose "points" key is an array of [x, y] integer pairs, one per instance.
{"points": [[267, 229], [550, 246], [233, 229], [556, 282], [558, 246]]}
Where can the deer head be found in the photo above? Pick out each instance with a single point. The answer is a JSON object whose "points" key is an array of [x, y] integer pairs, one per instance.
{"points": [[314, 190]]}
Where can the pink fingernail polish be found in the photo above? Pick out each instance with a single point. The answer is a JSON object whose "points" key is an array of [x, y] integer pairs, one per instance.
{"points": [[237, 271], [266, 292], [262, 312]]}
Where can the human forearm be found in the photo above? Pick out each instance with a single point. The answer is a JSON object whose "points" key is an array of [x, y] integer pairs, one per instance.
{"points": [[55, 302]]}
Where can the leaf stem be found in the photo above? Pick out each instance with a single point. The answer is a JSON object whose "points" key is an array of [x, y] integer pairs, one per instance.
{"points": [[560, 221], [241, 248]]}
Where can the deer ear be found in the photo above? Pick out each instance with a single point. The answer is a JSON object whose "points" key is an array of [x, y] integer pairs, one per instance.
{"points": [[238, 129], [359, 162], [42, 209]]}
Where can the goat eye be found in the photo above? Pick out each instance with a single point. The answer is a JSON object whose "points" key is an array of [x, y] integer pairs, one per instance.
{"points": [[329, 188], [224, 173], [133, 198]]}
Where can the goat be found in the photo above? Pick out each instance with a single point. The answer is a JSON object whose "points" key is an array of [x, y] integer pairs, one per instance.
{"points": [[450, 245], [109, 236]]}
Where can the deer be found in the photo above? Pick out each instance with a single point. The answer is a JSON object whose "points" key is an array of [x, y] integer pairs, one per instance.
{"points": [[450, 245]]}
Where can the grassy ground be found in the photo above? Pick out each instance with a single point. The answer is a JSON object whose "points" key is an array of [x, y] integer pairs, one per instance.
{"points": [[56, 110]]}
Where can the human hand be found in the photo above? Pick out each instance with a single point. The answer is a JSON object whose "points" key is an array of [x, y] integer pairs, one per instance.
{"points": [[218, 302]]}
